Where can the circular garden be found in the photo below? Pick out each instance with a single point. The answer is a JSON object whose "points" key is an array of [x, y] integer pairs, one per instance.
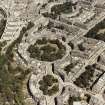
{"points": [[49, 85], [47, 50]]}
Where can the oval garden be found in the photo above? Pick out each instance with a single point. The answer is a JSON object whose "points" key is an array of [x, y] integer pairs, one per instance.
{"points": [[47, 50]]}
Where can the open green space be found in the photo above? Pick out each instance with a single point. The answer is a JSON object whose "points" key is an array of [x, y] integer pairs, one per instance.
{"points": [[10, 82], [12, 75]]}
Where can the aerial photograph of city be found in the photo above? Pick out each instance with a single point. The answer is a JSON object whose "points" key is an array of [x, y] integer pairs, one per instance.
{"points": [[52, 52]]}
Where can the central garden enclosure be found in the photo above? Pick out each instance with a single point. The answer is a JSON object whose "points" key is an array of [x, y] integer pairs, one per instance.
{"points": [[47, 50]]}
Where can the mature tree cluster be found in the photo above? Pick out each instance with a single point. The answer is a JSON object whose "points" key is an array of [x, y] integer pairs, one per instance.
{"points": [[47, 50], [49, 85], [85, 78], [62, 8], [81, 47], [69, 67], [2, 26], [98, 32], [71, 45], [72, 99]]}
